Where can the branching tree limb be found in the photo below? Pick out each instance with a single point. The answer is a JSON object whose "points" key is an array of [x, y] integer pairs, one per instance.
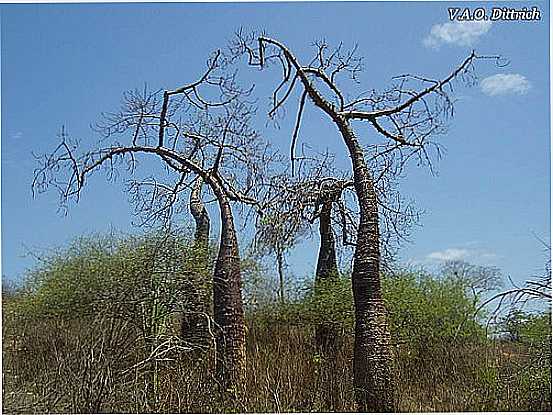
{"points": [[198, 133], [404, 119]]}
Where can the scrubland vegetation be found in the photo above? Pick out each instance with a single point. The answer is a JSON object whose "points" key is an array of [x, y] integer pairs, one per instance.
{"points": [[97, 328], [169, 322]]}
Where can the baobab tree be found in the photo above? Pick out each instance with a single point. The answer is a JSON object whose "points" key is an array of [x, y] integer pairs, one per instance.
{"points": [[297, 203], [405, 118], [198, 133], [195, 322], [200, 215]]}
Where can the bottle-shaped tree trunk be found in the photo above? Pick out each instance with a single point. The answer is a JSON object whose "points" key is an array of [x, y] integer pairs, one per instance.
{"points": [[228, 310], [372, 361], [372, 357], [195, 321], [327, 272], [200, 215], [279, 254]]}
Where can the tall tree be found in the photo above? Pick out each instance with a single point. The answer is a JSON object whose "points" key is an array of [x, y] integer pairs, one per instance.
{"points": [[192, 135], [404, 117], [195, 321], [293, 204], [327, 264]]}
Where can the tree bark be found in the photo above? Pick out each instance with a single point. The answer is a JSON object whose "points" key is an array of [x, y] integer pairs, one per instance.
{"points": [[327, 267], [327, 271], [373, 377], [327, 333], [280, 267], [227, 305], [200, 215], [194, 326]]}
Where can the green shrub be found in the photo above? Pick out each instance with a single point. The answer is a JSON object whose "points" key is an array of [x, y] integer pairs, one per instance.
{"points": [[425, 309], [158, 272], [532, 329], [531, 333], [106, 305]]}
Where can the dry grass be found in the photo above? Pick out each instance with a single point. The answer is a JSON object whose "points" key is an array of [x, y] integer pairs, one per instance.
{"points": [[83, 366]]}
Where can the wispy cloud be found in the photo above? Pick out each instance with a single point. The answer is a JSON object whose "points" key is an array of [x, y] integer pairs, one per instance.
{"points": [[504, 84], [456, 33], [450, 254], [468, 252]]}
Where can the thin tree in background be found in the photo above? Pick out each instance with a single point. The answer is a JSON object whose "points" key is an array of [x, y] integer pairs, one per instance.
{"points": [[536, 289], [289, 212]]}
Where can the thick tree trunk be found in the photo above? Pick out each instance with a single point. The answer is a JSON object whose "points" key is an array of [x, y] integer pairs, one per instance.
{"points": [[194, 327], [227, 306], [372, 360], [326, 333], [228, 311], [373, 377]]}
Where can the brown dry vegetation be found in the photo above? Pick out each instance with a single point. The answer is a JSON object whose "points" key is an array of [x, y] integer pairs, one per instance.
{"points": [[83, 366]]}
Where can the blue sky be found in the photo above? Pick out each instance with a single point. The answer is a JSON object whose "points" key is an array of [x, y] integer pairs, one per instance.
{"points": [[64, 64]]}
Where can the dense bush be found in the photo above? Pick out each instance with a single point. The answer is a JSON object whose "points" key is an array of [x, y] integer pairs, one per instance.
{"points": [[130, 277], [529, 338], [532, 329], [107, 304], [423, 308]]}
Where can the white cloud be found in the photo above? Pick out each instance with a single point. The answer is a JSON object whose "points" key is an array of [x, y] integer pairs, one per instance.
{"points": [[464, 33], [503, 84], [472, 255], [450, 254]]}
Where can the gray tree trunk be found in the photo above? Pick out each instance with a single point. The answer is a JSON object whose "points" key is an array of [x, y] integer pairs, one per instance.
{"points": [[194, 326], [373, 377], [280, 268], [326, 333], [200, 215], [228, 310]]}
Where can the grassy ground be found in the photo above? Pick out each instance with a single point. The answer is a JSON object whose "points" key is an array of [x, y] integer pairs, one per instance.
{"points": [[98, 365]]}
